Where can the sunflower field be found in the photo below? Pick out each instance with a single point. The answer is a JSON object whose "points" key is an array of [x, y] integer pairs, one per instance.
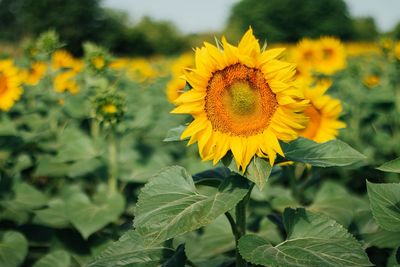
{"points": [[230, 154]]}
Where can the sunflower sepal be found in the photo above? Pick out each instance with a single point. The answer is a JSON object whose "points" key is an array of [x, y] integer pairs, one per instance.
{"points": [[258, 170]]}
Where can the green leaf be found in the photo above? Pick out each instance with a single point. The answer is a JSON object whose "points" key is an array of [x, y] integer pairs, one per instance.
{"points": [[258, 171], [75, 145], [382, 239], [174, 134], [81, 168], [89, 216], [13, 249], [385, 205], [334, 201], [215, 240], [26, 199], [391, 166], [48, 167], [54, 215], [170, 204], [312, 240], [59, 258], [331, 153], [132, 250]]}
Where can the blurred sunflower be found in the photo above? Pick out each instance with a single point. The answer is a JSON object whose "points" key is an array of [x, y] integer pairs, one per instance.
{"points": [[306, 55], [397, 50], [242, 99], [35, 73], [323, 113], [65, 82], [371, 80], [175, 88], [10, 85], [333, 56], [62, 59]]}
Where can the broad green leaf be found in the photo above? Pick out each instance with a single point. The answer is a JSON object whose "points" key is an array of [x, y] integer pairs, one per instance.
{"points": [[54, 215], [58, 258], [75, 145], [258, 171], [334, 201], [7, 128], [174, 134], [331, 153], [391, 166], [81, 168], [25, 200], [13, 249], [215, 240], [385, 205], [170, 204], [312, 240], [132, 250], [382, 239], [89, 216], [48, 167]]}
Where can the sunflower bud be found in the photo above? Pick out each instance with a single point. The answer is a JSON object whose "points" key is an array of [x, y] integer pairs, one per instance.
{"points": [[109, 107]]}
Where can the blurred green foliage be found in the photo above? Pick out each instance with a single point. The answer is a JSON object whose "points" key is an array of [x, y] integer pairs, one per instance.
{"points": [[289, 21], [79, 21]]}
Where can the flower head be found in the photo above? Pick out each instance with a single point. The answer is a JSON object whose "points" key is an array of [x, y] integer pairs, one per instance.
{"points": [[243, 99], [10, 85]]}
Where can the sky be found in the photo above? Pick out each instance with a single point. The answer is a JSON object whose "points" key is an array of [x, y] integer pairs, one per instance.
{"points": [[193, 16]]}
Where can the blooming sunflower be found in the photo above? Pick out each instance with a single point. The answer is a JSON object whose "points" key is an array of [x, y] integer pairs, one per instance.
{"points": [[62, 59], [10, 85], [333, 56], [35, 73], [306, 55], [323, 113], [243, 99]]}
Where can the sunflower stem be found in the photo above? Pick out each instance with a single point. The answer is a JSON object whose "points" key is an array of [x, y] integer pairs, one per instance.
{"points": [[241, 208], [112, 162]]}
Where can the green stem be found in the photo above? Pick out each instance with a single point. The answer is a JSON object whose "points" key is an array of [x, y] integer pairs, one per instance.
{"points": [[112, 162], [241, 225]]}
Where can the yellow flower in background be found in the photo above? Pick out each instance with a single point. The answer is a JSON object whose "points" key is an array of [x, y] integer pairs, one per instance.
{"points": [[62, 59], [77, 65], [141, 70], [397, 50], [243, 100], [10, 85], [175, 88], [98, 62], [371, 80], [120, 63], [323, 113], [110, 108], [65, 82], [184, 61], [306, 55], [333, 56], [35, 73]]}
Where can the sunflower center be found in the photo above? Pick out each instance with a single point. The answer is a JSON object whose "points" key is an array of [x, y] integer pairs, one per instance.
{"points": [[327, 53], [3, 84], [314, 122], [241, 97], [239, 101]]}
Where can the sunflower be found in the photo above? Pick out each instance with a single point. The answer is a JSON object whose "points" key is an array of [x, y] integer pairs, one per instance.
{"points": [[306, 55], [10, 85], [323, 113], [371, 80], [35, 73], [397, 50], [62, 59], [243, 99], [65, 81], [175, 88], [333, 56]]}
